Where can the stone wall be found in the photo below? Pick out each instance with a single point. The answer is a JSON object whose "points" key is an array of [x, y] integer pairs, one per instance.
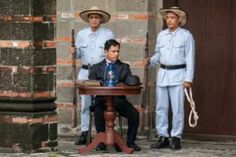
{"points": [[28, 75], [130, 21]]}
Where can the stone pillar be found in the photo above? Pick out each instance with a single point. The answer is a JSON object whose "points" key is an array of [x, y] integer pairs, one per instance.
{"points": [[28, 120]]}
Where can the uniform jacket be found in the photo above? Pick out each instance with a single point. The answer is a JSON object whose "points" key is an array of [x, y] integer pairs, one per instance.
{"points": [[90, 45], [174, 48]]}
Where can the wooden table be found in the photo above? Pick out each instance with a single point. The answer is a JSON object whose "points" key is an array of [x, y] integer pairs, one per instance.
{"points": [[110, 137]]}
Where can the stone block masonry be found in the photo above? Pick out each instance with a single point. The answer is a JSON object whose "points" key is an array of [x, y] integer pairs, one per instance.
{"points": [[28, 75]]}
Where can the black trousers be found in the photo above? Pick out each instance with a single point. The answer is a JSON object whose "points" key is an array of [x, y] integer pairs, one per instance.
{"points": [[124, 108]]}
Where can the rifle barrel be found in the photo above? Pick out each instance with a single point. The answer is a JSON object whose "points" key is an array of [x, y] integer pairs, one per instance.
{"points": [[74, 112]]}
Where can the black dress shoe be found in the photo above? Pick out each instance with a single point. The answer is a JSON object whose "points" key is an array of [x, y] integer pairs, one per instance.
{"points": [[117, 148], [101, 146], [82, 139], [175, 145], [134, 146], [162, 142]]}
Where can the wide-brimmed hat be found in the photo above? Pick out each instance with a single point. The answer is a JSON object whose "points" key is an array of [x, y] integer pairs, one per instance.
{"points": [[181, 13], [95, 10]]}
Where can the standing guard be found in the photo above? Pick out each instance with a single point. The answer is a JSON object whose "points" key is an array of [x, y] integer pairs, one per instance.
{"points": [[90, 49], [175, 53]]}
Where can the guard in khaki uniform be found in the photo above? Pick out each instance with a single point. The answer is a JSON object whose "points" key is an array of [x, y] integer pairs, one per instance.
{"points": [[175, 53], [90, 49]]}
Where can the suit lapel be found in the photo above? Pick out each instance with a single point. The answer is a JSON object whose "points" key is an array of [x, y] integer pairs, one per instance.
{"points": [[118, 67], [103, 66]]}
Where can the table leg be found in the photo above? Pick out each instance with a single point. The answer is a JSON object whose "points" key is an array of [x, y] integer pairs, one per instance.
{"points": [[110, 137], [119, 141], [110, 116], [99, 138]]}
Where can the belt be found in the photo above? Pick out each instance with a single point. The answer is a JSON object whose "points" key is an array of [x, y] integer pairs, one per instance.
{"points": [[86, 66], [172, 67]]}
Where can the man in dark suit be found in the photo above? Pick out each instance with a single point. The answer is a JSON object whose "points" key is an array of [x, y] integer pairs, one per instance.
{"points": [[122, 105]]}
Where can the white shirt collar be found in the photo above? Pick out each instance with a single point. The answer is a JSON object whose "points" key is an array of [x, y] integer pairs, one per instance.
{"points": [[91, 32]]}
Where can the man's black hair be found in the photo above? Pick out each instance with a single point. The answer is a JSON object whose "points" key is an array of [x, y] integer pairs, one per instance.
{"points": [[111, 42]]}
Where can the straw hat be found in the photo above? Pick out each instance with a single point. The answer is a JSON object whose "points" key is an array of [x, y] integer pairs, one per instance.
{"points": [[95, 10], [182, 14]]}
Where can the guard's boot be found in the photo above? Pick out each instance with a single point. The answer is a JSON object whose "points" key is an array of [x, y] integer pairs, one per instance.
{"points": [[82, 139], [175, 145], [162, 142]]}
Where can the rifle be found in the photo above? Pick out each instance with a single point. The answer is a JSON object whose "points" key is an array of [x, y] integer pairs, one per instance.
{"points": [[145, 87], [74, 78]]}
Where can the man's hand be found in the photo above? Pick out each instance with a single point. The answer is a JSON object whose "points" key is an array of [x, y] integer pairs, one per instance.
{"points": [[72, 50], [146, 61], [187, 84]]}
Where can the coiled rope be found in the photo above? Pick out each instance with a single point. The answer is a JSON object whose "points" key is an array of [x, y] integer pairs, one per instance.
{"points": [[193, 114]]}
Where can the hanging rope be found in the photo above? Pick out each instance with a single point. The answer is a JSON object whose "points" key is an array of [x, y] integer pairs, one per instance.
{"points": [[193, 112]]}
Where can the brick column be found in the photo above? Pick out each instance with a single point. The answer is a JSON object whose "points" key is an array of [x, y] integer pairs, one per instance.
{"points": [[28, 120]]}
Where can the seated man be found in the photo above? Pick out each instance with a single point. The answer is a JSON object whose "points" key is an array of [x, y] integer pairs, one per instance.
{"points": [[122, 105]]}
